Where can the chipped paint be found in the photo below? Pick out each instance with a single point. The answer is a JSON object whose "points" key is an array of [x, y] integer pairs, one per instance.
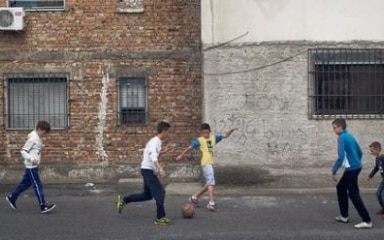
{"points": [[102, 114]]}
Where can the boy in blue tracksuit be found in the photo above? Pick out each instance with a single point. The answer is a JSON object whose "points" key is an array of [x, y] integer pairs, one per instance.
{"points": [[31, 153], [349, 156]]}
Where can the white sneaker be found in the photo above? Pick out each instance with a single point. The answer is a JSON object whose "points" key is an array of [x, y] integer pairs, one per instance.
{"points": [[363, 225], [342, 219]]}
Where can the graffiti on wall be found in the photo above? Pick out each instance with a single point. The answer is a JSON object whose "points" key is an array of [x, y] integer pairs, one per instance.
{"points": [[278, 138], [252, 102]]}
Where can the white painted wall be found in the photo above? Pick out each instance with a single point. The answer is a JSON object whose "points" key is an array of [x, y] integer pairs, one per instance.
{"points": [[259, 81], [291, 20]]}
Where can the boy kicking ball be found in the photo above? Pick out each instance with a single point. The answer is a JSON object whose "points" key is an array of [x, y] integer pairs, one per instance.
{"points": [[206, 144], [150, 169]]}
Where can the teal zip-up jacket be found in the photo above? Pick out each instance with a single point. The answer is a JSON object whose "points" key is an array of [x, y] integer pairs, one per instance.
{"points": [[349, 152]]}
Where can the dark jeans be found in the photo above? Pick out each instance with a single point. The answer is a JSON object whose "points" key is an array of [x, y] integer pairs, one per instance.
{"points": [[380, 194], [348, 186], [152, 189], [30, 178]]}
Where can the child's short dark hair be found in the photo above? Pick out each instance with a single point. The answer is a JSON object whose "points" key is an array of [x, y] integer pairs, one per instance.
{"points": [[205, 126], [163, 126], [375, 145], [44, 126], [340, 122]]}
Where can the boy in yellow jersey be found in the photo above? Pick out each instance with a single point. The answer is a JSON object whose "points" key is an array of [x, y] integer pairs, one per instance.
{"points": [[206, 144]]}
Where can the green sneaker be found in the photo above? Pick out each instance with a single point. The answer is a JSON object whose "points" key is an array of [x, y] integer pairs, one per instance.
{"points": [[120, 204], [163, 221]]}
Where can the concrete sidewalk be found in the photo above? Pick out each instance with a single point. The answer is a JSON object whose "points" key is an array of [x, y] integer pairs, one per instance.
{"points": [[189, 188], [173, 188]]}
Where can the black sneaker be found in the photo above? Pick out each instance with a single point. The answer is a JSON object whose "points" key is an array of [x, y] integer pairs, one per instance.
{"points": [[11, 202], [48, 207]]}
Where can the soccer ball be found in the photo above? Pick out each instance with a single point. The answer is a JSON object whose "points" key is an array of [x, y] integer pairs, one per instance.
{"points": [[188, 210]]}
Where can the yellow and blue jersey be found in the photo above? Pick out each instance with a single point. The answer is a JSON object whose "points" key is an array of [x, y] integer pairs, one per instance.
{"points": [[206, 146]]}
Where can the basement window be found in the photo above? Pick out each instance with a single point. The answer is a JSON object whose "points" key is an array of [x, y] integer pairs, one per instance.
{"points": [[38, 5], [133, 107], [346, 83], [32, 98]]}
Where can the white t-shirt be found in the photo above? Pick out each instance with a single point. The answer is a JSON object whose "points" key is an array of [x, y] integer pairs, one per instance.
{"points": [[346, 162], [32, 149], [151, 154]]}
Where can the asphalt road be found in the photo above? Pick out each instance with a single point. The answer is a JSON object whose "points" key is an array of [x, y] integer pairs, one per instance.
{"points": [[83, 214]]}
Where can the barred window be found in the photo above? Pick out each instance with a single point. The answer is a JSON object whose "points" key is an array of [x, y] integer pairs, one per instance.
{"points": [[38, 5], [346, 83], [32, 99], [133, 109]]}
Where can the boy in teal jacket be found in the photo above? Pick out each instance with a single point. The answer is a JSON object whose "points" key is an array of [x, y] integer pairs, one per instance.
{"points": [[349, 156]]}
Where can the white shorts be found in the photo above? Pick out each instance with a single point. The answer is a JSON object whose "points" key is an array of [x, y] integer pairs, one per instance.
{"points": [[209, 175]]}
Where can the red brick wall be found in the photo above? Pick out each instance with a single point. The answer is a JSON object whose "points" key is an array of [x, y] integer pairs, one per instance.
{"points": [[95, 25], [90, 40]]}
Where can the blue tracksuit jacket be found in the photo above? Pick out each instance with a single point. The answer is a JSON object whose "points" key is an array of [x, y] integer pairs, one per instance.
{"points": [[349, 152]]}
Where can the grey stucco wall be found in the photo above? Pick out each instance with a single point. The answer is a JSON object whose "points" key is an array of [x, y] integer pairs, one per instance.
{"points": [[262, 89]]}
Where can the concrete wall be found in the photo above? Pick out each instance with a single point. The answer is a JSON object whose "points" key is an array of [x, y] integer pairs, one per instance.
{"points": [[256, 79], [269, 105], [282, 20]]}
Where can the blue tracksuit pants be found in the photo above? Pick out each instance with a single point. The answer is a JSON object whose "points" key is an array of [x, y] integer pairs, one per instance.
{"points": [[30, 178]]}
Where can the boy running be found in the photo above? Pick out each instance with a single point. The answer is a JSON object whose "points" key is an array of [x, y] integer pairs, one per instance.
{"points": [[206, 143], [150, 167]]}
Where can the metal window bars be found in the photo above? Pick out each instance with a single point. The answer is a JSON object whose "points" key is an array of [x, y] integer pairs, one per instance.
{"points": [[34, 98], [346, 83], [38, 5], [133, 106]]}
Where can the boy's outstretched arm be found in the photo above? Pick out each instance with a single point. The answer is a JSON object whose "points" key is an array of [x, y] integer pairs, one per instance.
{"points": [[229, 133], [168, 149], [184, 152]]}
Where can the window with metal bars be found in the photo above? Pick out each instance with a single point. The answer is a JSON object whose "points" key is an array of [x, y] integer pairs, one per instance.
{"points": [[346, 83], [31, 99], [133, 108], [38, 5]]}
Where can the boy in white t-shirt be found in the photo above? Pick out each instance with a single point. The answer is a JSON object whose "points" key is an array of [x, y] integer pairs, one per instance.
{"points": [[150, 168]]}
